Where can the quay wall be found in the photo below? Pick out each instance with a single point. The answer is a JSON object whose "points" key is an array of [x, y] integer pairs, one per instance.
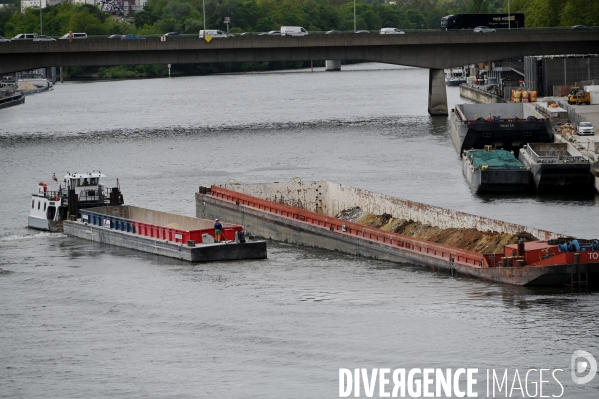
{"points": [[201, 253], [330, 199]]}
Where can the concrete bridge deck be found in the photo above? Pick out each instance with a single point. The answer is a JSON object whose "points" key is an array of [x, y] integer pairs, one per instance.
{"points": [[434, 50]]}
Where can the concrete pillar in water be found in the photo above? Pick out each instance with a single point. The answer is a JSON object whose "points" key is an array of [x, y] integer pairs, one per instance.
{"points": [[437, 94], [332, 65], [60, 74], [53, 75]]}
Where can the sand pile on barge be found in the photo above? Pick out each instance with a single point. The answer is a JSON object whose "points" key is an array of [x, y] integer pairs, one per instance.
{"points": [[489, 242]]}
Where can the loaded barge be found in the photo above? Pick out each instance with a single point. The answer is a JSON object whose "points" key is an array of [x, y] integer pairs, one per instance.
{"points": [[495, 171], [163, 233], [305, 213], [507, 126]]}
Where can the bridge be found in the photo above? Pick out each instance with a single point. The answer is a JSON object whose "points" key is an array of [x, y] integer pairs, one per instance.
{"points": [[432, 50]]}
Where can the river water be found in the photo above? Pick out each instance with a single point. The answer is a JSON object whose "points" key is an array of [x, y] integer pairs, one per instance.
{"points": [[79, 319]]}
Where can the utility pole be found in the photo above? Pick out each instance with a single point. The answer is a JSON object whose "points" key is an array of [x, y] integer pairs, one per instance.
{"points": [[41, 26], [354, 16], [509, 18]]}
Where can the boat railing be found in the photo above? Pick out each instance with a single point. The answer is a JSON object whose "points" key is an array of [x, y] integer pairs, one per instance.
{"points": [[92, 195], [51, 195], [410, 244]]}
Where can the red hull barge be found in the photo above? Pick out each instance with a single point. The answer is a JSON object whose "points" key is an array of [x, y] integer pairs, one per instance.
{"points": [[298, 213]]}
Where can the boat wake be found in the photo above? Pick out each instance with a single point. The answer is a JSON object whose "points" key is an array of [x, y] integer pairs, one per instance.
{"points": [[209, 130], [26, 237]]}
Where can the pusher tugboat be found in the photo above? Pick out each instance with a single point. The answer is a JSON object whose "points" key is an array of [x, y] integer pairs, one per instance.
{"points": [[81, 190]]}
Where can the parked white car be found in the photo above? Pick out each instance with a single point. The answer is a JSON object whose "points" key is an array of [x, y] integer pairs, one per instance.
{"points": [[391, 31], [585, 129]]}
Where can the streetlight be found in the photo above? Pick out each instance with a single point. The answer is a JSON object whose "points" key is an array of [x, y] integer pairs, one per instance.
{"points": [[41, 27], [509, 18], [354, 16], [204, 13]]}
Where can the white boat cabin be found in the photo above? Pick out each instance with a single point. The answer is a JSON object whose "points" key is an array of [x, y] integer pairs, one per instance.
{"points": [[87, 186], [44, 213]]}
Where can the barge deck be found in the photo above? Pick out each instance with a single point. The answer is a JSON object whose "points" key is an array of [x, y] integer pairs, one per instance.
{"points": [[163, 233]]}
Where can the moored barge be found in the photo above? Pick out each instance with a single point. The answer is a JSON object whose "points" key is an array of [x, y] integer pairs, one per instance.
{"points": [[557, 167], [495, 171], [303, 213], [507, 126]]}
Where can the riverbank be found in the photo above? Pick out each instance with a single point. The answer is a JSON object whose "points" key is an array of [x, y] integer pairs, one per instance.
{"points": [[161, 70]]}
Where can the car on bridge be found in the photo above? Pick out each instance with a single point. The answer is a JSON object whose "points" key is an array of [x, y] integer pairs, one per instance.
{"points": [[484, 29], [132, 37], [3, 40], [172, 34], [115, 36], [214, 33], [271, 33], [391, 31], [25, 36], [44, 38], [362, 31], [581, 27], [77, 35]]}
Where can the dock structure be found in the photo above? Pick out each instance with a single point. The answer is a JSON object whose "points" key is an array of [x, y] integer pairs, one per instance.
{"points": [[163, 233]]}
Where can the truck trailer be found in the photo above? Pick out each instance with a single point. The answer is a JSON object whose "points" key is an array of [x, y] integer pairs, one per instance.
{"points": [[471, 21]]}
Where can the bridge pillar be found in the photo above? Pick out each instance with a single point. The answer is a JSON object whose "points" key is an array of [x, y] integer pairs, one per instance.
{"points": [[437, 94], [332, 65]]}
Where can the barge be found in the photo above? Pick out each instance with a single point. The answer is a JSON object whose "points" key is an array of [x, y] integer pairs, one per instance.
{"points": [[495, 171], [304, 213], [162, 233], [508, 126], [557, 167]]}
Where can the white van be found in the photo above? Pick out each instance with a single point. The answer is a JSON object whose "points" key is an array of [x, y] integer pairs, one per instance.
{"points": [[25, 36], [293, 31], [213, 33], [75, 36], [391, 31]]}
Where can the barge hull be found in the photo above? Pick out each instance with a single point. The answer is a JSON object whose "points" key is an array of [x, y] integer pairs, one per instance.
{"points": [[560, 178], [327, 233], [201, 253]]}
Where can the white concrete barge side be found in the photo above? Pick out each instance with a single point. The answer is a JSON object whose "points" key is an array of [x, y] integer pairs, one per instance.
{"points": [[163, 233], [302, 213]]}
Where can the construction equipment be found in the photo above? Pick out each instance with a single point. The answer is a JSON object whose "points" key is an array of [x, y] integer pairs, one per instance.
{"points": [[579, 96]]}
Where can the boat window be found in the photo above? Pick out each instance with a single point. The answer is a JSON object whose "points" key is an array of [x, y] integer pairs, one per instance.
{"points": [[39, 204], [93, 181], [84, 181], [45, 206], [32, 204]]}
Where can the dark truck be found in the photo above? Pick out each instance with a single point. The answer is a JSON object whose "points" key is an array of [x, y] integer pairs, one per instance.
{"points": [[494, 21]]}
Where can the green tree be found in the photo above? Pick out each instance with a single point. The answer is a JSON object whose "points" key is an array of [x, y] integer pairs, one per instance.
{"points": [[84, 21], [176, 10]]}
